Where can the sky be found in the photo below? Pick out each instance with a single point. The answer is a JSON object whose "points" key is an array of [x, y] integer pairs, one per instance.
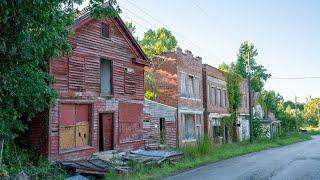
{"points": [[286, 34]]}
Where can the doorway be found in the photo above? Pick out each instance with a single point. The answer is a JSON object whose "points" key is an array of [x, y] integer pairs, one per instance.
{"points": [[106, 132], [162, 131]]}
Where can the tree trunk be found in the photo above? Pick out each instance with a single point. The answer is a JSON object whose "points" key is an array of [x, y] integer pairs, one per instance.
{"points": [[1, 149], [234, 133]]}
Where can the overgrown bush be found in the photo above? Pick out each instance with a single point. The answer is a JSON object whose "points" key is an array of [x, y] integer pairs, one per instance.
{"points": [[204, 145], [17, 160], [257, 128]]}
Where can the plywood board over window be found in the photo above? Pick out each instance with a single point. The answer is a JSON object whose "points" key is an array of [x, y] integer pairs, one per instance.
{"points": [[74, 128], [129, 80], [130, 122]]}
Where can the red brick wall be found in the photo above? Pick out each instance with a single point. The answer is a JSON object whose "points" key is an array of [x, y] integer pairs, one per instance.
{"points": [[215, 73], [190, 65], [165, 74]]}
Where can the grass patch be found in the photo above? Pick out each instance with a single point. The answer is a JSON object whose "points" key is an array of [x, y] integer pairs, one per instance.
{"points": [[17, 160], [206, 153], [313, 130]]}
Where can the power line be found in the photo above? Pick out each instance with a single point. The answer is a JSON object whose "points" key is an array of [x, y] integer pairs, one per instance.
{"points": [[297, 78], [214, 21], [180, 35], [134, 14]]}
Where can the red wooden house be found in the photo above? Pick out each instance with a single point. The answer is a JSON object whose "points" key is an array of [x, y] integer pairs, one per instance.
{"points": [[100, 94]]}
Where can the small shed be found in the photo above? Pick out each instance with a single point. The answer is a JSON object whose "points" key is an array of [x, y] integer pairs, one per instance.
{"points": [[159, 125]]}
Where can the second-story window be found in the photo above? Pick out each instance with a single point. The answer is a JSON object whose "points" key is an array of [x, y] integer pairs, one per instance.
{"points": [[105, 30], [225, 98], [219, 103], [191, 86], [197, 88], [105, 77], [214, 99], [183, 86]]}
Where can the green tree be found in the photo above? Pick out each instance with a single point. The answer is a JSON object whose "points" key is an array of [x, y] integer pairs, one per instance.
{"points": [[312, 111], [156, 42], [259, 73], [234, 98], [224, 67], [32, 32]]}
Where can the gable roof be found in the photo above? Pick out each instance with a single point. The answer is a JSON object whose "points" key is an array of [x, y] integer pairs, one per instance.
{"points": [[86, 17]]}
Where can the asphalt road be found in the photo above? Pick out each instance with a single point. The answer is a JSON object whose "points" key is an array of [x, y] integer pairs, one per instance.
{"points": [[296, 161]]}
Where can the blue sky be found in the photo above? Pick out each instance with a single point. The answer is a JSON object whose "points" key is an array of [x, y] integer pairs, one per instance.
{"points": [[285, 32]]}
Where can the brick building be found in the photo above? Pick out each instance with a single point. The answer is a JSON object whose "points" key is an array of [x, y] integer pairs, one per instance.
{"points": [[215, 103], [178, 79], [100, 94]]}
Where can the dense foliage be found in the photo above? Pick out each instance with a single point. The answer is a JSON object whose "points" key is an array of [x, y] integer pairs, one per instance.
{"points": [[312, 112], [234, 98], [32, 32], [156, 42]]}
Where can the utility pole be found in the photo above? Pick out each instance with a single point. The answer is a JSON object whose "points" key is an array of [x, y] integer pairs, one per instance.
{"points": [[295, 106], [250, 97]]}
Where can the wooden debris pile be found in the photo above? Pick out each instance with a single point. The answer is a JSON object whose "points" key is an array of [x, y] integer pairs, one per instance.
{"points": [[152, 156], [100, 163]]}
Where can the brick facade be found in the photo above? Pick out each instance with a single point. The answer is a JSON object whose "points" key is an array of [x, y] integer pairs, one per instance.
{"points": [[78, 82], [214, 88], [189, 104]]}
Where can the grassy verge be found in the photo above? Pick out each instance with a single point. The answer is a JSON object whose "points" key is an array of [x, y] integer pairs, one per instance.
{"points": [[313, 130], [17, 160], [206, 153]]}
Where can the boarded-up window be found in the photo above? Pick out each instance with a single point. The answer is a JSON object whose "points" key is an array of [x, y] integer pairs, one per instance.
{"points": [[183, 87], [105, 77], [209, 94], [191, 86], [77, 73], [74, 126], [189, 127], [218, 100], [197, 88], [129, 81], [130, 122], [105, 30], [213, 94], [225, 98]]}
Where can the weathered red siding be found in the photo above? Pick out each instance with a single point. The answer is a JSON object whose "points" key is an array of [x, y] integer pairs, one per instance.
{"points": [[78, 82]]}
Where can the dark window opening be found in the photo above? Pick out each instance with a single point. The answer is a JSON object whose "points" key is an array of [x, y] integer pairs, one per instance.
{"points": [[162, 131]]}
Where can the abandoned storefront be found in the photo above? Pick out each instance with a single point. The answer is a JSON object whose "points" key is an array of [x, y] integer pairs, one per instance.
{"points": [[215, 102], [100, 93]]}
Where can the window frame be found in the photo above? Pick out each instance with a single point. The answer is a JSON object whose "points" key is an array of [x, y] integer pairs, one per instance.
{"points": [[191, 81], [183, 86], [111, 77]]}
